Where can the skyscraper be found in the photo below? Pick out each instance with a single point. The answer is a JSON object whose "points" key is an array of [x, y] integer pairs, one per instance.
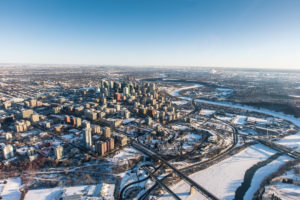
{"points": [[88, 137], [59, 152]]}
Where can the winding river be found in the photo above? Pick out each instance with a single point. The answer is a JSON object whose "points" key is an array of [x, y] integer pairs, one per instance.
{"points": [[291, 140]]}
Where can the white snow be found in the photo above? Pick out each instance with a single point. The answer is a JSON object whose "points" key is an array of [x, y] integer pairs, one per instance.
{"points": [[207, 112], [225, 91], [192, 137], [290, 141], [263, 172], [284, 191], [239, 119], [257, 120], [224, 118], [176, 92], [179, 102], [44, 194], [223, 178], [124, 155], [295, 96], [68, 137], [180, 127], [10, 190], [106, 191], [16, 100]]}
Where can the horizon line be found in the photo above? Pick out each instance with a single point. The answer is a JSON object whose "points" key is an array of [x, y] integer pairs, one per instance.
{"points": [[148, 65]]}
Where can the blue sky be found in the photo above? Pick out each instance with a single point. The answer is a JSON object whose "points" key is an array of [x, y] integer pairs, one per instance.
{"points": [[229, 33]]}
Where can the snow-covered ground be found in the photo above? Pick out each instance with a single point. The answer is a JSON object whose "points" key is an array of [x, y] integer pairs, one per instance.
{"points": [[179, 102], [207, 112], [239, 119], [284, 190], [103, 190], [225, 91], [223, 178], [176, 92], [124, 155], [261, 173], [295, 96], [292, 141], [257, 120], [10, 190], [224, 118], [180, 127], [192, 137]]}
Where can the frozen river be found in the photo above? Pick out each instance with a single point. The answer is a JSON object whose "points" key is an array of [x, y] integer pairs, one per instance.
{"points": [[222, 179]]}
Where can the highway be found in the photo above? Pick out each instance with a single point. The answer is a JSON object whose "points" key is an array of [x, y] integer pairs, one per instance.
{"points": [[208, 162], [141, 180], [161, 184], [280, 148], [192, 183]]}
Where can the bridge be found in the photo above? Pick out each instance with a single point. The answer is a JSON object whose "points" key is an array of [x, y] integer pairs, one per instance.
{"points": [[193, 184], [161, 184], [280, 148]]}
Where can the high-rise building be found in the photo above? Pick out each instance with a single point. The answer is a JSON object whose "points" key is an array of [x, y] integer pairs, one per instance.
{"points": [[33, 103], [101, 147], [68, 119], [88, 137], [8, 151], [35, 117], [78, 122], [125, 91], [111, 142], [59, 152], [148, 120], [27, 113], [107, 132], [118, 96]]}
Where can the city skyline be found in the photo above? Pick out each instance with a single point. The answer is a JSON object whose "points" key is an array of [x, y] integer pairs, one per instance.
{"points": [[247, 34]]}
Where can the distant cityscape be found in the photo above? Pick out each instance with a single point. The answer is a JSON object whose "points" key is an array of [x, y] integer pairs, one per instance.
{"points": [[99, 133]]}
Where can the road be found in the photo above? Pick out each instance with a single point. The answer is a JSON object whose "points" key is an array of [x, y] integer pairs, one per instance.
{"points": [[208, 162], [280, 148], [188, 180], [135, 182], [158, 181]]}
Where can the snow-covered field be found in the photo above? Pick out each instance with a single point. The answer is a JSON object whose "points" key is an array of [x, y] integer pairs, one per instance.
{"points": [[176, 92], [103, 190], [261, 173], [239, 120], [10, 190], [192, 137], [292, 141], [124, 155], [257, 120], [180, 127], [207, 112], [180, 102], [223, 178], [284, 191]]}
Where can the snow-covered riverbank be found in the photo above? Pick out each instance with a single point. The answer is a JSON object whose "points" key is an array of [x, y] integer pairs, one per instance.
{"points": [[292, 141], [222, 180], [10, 190]]}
